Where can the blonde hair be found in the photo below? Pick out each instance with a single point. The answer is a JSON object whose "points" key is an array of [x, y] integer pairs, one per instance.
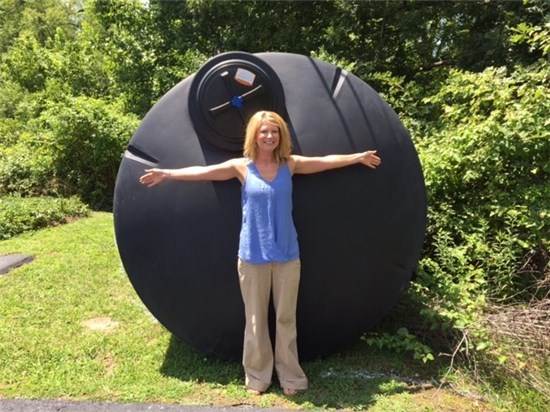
{"points": [[283, 150]]}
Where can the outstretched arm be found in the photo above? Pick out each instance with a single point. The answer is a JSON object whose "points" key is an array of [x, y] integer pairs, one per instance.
{"points": [[308, 165], [234, 168]]}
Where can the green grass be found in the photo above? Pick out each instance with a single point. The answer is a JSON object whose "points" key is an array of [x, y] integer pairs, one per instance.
{"points": [[47, 350]]}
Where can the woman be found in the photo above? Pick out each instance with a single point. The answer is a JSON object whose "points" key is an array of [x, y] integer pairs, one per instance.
{"points": [[268, 256]]}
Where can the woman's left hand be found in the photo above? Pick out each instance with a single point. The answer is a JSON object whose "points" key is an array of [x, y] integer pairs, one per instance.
{"points": [[370, 159]]}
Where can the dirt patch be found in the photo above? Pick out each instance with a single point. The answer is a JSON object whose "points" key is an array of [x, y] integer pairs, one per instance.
{"points": [[109, 363], [102, 324]]}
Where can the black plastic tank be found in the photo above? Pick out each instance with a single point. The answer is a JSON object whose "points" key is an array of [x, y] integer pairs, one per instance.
{"points": [[360, 230]]}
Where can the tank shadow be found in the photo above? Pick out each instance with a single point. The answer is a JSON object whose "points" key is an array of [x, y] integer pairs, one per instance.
{"points": [[353, 379], [187, 364]]}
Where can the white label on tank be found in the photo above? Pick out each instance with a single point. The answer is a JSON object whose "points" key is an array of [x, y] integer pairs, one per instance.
{"points": [[245, 77]]}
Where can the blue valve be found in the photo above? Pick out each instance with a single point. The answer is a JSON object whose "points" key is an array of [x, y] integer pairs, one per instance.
{"points": [[237, 101]]}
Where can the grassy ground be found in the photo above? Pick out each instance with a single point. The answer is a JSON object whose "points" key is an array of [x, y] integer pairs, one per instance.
{"points": [[72, 327]]}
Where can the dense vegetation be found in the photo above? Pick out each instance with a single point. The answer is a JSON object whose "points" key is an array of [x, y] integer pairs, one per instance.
{"points": [[18, 215], [470, 80]]}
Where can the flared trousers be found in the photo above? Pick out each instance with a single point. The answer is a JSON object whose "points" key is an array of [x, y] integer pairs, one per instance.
{"points": [[257, 283]]}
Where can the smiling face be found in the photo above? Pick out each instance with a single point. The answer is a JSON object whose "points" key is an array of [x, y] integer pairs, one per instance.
{"points": [[268, 137], [267, 131]]}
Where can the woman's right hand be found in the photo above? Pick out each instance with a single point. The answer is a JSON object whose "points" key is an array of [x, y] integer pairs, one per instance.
{"points": [[153, 177]]}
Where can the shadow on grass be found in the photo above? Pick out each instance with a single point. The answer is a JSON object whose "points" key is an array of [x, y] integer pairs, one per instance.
{"points": [[352, 379], [187, 364]]}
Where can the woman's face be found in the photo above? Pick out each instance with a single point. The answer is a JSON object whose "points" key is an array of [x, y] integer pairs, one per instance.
{"points": [[268, 137]]}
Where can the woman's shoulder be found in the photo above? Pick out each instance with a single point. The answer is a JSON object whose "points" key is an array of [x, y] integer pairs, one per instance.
{"points": [[238, 165], [242, 160], [237, 162], [291, 163]]}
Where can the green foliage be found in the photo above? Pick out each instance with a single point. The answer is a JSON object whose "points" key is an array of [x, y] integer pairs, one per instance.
{"points": [[38, 18], [19, 215], [484, 143], [27, 167], [127, 42], [525, 397], [535, 36], [89, 137], [74, 147], [488, 175], [78, 65], [26, 63], [402, 340], [487, 169], [410, 39]]}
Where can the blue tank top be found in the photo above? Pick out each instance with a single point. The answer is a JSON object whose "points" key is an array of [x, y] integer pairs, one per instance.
{"points": [[267, 230]]}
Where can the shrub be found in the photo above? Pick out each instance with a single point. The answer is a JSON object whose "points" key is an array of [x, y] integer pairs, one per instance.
{"points": [[89, 137], [486, 162], [27, 166], [487, 174], [487, 170], [73, 148], [18, 214]]}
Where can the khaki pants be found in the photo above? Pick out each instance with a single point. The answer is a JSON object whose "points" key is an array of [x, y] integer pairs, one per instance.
{"points": [[257, 282]]}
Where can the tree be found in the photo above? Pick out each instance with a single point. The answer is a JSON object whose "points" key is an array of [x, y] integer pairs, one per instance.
{"points": [[41, 18]]}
